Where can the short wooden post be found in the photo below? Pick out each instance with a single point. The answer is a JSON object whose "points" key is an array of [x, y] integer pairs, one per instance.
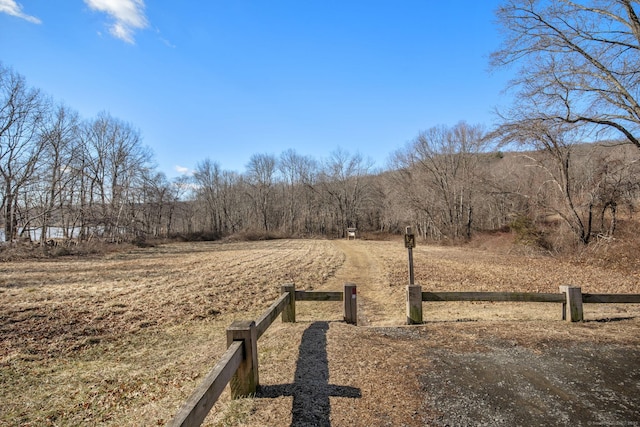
{"points": [[350, 304], [245, 381], [414, 305], [289, 312], [573, 304]]}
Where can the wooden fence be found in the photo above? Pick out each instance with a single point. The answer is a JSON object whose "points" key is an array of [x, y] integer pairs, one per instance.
{"points": [[569, 296], [238, 366]]}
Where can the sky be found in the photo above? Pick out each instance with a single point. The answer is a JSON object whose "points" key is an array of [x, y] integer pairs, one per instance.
{"points": [[226, 79]]}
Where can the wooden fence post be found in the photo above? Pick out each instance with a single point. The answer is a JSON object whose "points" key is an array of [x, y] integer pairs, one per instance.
{"points": [[245, 381], [289, 312], [414, 304], [410, 243], [573, 304], [350, 304]]}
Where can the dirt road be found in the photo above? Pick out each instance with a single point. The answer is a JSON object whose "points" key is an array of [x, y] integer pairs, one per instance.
{"points": [[379, 304]]}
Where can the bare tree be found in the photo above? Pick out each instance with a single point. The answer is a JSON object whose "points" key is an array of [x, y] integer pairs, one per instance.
{"points": [[231, 199], [574, 204], [610, 174], [261, 178], [159, 201], [207, 177], [580, 62], [21, 113], [60, 142], [343, 181], [116, 164], [295, 170], [437, 171]]}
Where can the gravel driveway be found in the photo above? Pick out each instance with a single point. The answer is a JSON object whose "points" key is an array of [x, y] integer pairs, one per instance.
{"points": [[509, 385]]}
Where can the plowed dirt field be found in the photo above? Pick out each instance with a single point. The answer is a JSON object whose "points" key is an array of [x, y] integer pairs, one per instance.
{"points": [[123, 339]]}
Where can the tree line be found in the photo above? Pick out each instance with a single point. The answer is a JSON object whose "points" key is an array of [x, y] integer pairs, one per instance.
{"points": [[561, 166]]}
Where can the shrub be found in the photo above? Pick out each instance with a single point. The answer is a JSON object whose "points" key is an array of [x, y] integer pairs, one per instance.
{"points": [[528, 234]]}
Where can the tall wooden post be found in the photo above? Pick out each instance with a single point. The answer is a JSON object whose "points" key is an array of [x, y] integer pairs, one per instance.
{"points": [[410, 243], [245, 381], [414, 292], [289, 312], [573, 304], [350, 304]]}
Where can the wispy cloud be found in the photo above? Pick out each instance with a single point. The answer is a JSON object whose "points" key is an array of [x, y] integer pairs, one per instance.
{"points": [[164, 41], [183, 170], [13, 8], [128, 16]]}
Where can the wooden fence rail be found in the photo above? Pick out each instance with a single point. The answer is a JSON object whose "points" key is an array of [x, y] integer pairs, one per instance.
{"points": [[492, 296], [571, 298], [239, 364], [198, 405], [264, 321], [319, 296], [611, 298]]}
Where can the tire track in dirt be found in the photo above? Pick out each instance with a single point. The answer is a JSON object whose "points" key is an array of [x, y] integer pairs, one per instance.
{"points": [[377, 304]]}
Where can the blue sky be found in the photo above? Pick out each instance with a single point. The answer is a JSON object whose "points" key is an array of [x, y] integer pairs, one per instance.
{"points": [[227, 79]]}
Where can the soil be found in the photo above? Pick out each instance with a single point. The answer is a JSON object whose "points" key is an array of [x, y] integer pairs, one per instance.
{"points": [[124, 339]]}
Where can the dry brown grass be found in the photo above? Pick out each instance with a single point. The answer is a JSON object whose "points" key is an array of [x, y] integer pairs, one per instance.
{"points": [[123, 339]]}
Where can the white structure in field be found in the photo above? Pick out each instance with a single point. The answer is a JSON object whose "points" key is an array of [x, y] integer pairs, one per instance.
{"points": [[351, 232]]}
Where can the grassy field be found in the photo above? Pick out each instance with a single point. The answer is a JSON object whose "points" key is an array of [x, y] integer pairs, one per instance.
{"points": [[123, 339]]}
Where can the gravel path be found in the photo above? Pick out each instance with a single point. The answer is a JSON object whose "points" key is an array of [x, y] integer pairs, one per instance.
{"points": [[581, 385]]}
